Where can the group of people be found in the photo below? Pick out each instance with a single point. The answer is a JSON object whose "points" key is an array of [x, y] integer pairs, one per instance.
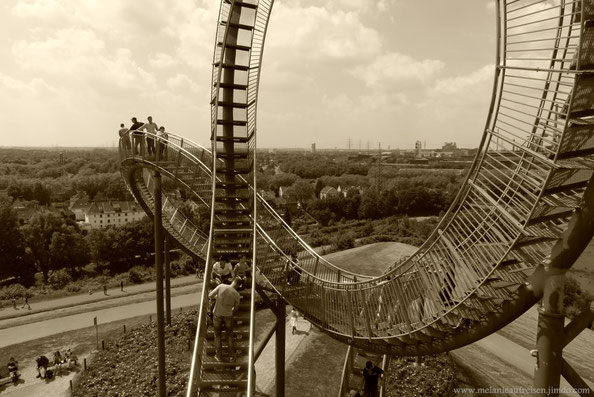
{"points": [[25, 303], [44, 370], [224, 272], [136, 139]]}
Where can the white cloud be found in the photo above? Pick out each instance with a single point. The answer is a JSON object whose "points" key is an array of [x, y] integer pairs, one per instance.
{"points": [[12, 88], [181, 82], [450, 97], [318, 34], [393, 68], [79, 57], [162, 60], [40, 9]]}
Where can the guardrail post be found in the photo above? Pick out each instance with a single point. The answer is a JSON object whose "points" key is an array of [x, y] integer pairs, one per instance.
{"points": [[158, 224]]}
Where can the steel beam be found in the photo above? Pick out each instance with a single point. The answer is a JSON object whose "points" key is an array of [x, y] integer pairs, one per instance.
{"points": [[549, 338], [167, 280], [158, 224]]}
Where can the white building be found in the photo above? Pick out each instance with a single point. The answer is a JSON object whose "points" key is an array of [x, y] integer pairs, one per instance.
{"points": [[104, 213]]}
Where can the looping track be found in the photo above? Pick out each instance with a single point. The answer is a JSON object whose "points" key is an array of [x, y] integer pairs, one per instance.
{"points": [[525, 209]]}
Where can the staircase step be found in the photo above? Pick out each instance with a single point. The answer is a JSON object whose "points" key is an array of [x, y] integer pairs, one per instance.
{"points": [[550, 217], [241, 170], [235, 46], [240, 139], [238, 105], [233, 86], [234, 155], [236, 185], [239, 350], [234, 211], [231, 66], [210, 391], [233, 199], [237, 25], [243, 4], [230, 231], [224, 365]]}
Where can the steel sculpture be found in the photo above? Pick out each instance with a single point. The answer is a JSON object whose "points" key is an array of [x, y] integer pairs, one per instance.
{"points": [[524, 213]]}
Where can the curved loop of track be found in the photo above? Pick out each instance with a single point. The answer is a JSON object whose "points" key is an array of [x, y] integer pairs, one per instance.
{"points": [[528, 188]]}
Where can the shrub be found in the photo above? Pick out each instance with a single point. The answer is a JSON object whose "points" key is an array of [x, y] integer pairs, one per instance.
{"points": [[575, 299], [13, 291], [59, 279], [344, 241], [136, 275], [73, 287]]}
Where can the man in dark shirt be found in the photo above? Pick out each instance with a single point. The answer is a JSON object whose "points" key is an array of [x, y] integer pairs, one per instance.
{"points": [[138, 136], [371, 374]]}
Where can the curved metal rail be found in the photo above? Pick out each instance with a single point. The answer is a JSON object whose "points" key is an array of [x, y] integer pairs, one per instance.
{"points": [[530, 183]]}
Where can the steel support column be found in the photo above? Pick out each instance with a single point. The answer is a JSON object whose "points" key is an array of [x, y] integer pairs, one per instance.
{"points": [[159, 275], [279, 353], [550, 338], [167, 281]]}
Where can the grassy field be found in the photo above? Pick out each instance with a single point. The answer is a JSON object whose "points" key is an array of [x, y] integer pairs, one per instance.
{"points": [[370, 259]]}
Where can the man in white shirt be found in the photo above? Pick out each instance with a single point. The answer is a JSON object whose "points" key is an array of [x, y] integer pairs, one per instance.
{"points": [[226, 305], [151, 128]]}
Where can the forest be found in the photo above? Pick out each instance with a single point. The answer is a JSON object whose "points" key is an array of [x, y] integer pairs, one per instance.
{"points": [[58, 250]]}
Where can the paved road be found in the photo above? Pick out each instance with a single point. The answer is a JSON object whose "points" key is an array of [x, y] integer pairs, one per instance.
{"points": [[85, 298], [23, 333]]}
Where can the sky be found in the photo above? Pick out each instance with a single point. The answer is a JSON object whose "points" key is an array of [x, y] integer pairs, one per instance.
{"points": [[387, 72]]}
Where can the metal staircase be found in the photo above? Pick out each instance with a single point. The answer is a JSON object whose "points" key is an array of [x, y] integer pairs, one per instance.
{"points": [[526, 206], [352, 372]]}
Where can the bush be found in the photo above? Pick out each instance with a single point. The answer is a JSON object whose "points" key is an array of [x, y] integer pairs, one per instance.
{"points": [[575, 299], [13, 291], [344, 241], [73, 287], [136, 275], [59, 279]]}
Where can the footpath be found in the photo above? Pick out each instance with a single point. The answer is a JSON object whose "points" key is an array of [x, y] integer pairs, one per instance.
{"points": [[51, 308]]}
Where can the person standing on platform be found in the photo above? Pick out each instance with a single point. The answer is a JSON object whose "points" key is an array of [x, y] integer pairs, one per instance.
{"points": [[137, 136], [371, 376], [124, 137], [151, 128], [162, 145], [227, 303]]}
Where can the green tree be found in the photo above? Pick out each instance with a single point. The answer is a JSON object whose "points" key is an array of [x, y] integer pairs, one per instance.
{"points": [[301, 191], [318, 187], [54, 243], [14, 262]]}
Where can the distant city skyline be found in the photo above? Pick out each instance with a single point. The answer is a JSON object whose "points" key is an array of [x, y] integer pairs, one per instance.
{"points": [[384, 71]]}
